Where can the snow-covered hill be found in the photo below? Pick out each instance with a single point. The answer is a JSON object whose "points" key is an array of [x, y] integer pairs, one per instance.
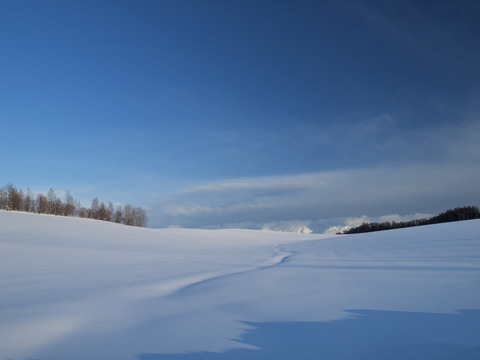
{"points": [[78, 289]]}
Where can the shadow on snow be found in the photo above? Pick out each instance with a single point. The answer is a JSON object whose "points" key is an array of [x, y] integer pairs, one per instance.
{"points": [[372, 335]]}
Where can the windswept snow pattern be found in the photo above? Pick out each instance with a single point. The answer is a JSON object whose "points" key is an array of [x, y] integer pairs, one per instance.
{"points": [[80, 289]]}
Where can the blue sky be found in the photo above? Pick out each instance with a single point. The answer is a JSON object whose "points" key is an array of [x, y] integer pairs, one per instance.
{"points": [[243, 113]]}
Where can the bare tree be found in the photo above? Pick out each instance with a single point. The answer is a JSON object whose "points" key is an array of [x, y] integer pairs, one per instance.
{"points": [[140, 217], [58, 207], [102, 212], [94, 209], [77, 207], [118, 215], [82, 212], [129, 215], [11, 198], [15, 197], [69, 206], [28, 202], [109, 212], [3, 198], [42, 204], [51, 201]]}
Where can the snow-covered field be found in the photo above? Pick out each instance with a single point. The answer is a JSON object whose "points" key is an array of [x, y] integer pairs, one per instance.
{"points": [[79, 289]]}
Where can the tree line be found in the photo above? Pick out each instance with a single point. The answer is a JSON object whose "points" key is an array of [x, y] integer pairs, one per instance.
{"points": [[13, 199], [457, 214]]}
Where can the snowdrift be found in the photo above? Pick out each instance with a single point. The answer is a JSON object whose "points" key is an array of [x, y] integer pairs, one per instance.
{"points": [[80, 289]]}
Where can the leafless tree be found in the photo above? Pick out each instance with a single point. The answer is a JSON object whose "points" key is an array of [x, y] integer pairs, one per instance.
{"points": [[3, 198], [102, 212], [28, 202], [118, 215], [82, 212], [93, 213], [42, 204], [58, 207], [11, 198], [69, 205], [128, 215], [51, 201], [15, 197], [109, 212], [140, 217]]}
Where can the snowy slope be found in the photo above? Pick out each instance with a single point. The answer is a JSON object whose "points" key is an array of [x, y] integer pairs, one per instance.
{"points": [[80, 289]]}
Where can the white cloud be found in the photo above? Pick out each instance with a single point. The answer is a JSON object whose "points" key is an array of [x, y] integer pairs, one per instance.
{"points": [[296, 226], [329, 195], [399, 218], [287, 182], [357, 221]]}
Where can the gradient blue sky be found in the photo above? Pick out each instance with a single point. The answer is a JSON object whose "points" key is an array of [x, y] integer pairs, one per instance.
{"points": [[241, 113]]}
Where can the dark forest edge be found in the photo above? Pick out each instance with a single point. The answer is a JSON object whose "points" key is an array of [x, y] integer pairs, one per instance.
{"points": [[457, 214], [14, 199]]}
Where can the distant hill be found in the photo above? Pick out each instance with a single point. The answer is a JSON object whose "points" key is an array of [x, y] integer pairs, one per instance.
{"points": [[457, 214]]}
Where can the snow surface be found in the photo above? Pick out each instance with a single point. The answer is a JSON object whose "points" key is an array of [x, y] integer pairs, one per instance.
{"points": [[81, 289]]}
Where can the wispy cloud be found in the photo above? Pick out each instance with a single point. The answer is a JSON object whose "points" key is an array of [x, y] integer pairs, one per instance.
{"points": [[309, 198], [424, 170]]}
